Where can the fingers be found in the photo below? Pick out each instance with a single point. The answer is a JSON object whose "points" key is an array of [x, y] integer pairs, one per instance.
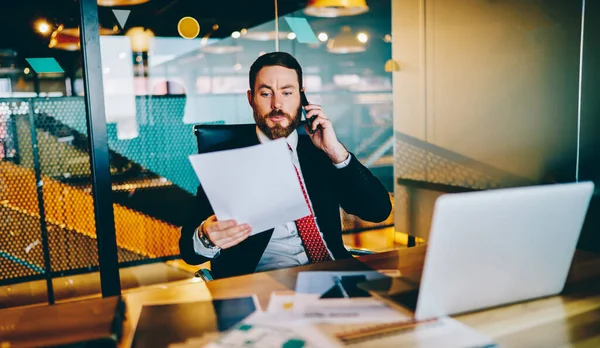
{"points": [[315, 112], [321, 121], [234, 241], [313, 107], [221, 225], [226, 233]]}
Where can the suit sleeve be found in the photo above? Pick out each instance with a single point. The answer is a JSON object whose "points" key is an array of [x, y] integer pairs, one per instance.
{"points": [[202, 210], [360, 193]]}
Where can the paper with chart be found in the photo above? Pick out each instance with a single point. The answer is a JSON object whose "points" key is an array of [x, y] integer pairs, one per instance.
{"points": [[257, 185], [282, 330]]}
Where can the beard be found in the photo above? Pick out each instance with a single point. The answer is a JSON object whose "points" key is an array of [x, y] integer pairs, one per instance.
{"points": [[277, 130]]}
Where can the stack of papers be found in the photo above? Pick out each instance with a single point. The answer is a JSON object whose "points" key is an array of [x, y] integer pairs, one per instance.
{"points": [[316, 316]]}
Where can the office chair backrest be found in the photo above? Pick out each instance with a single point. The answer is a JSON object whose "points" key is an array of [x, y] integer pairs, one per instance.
{"points": [[210, 135]]}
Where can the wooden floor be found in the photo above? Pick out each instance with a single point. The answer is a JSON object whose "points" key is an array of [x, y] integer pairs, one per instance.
{"points": [[134, 278]]}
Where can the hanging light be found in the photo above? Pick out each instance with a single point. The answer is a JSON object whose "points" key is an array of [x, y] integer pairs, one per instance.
{"points": [[43, 27], [188, 28], [222, 49], [391, 66], [345, 42], [335, 8], [140, 39], [120, 2], [68, 38], [265, 35]]}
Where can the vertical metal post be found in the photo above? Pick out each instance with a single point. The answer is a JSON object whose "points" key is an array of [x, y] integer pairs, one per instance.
{"points": [[411, 216], [276, 27], [98, 145], [580, 91], [36, 84], [40, 195]]}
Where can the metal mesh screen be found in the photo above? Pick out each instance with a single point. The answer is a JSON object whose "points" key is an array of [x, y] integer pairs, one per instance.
{"points": [[423, 161], [156, 157], [20, 234], [58, 137]]}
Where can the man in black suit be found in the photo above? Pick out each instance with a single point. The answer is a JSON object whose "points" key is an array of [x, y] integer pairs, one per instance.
{"points": [[328, 174]]}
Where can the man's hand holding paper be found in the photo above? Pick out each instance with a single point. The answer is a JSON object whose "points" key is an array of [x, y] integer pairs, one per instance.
{"points": [[234, 184]]}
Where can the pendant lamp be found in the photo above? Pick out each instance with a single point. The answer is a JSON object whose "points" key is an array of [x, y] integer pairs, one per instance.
{"points": [[335, 8], [68, 38], [346, 42], [120, 2]]}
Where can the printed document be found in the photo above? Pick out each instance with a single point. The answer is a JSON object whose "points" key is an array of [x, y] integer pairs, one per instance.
{"points": [[257, 185]]}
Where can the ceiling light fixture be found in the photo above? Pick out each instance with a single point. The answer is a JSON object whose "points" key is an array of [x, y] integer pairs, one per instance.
{"points": [[43, 27], [68, 39], [214, 49], [265, 35], [140, 39], [362, 37], [335, 8], [188, 28], [120, 2], [345, 42]]}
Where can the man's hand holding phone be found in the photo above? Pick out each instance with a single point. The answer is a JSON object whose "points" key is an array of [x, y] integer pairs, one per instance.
{"points": [[320, 130], [224, 234]]}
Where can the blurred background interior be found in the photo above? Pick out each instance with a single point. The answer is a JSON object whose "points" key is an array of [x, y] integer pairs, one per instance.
{"points": [[434, 96]]}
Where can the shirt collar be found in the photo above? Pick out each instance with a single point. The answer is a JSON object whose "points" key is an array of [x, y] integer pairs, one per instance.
{"points": [[292, 139]]}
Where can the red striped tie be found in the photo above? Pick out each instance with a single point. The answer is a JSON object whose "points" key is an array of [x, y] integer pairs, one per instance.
{"points": [[309, 232]]}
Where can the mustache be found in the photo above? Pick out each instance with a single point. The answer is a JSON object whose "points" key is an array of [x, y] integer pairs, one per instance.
{"points": [[278, 112]]}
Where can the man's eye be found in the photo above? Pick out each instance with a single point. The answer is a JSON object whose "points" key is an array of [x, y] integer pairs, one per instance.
{"points": [[265, 94], [287, 93]]}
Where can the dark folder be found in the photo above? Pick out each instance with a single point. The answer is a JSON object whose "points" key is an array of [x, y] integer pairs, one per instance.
{"points": [[89, 323], [161, 325]]}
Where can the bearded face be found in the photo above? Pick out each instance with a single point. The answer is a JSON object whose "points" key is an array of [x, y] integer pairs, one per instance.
{"points": [[277, 123], [275, 101]]}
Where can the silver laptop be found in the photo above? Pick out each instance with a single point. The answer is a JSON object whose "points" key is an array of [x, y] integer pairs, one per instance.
{"points": [[491, 248]]}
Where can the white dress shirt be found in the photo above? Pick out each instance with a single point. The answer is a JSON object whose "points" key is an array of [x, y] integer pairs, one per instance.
{"points": [[285, 247]]}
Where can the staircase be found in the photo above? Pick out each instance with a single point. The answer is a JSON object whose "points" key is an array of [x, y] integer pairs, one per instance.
{"points": [[69, 217]]}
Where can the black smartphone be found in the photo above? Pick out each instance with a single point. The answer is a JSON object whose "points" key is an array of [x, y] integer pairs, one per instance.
{"points": [[310, 121]]}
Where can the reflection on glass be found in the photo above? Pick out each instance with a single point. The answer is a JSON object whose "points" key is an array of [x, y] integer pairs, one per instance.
{"points": [[46, 206], [161, 75]]}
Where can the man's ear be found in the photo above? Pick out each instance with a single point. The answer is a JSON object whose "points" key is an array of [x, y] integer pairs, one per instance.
{"points": [[249, 93]]}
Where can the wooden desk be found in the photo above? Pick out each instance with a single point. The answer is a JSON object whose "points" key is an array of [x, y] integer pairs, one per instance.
{"points": [[570, 319]]}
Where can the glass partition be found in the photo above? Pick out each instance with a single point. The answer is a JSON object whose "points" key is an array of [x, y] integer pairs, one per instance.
{"points": [[163, 74], [433, 96], [47, 229], [486, 97]]}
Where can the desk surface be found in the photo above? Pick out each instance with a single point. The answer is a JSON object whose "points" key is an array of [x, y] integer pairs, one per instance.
{"points": [[572, 319]]}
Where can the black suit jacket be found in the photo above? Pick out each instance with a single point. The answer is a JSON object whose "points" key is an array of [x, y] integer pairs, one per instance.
{"points": [[354, 188]]}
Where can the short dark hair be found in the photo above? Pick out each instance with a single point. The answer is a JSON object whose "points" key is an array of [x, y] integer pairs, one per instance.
{"points": [[283, 59]]}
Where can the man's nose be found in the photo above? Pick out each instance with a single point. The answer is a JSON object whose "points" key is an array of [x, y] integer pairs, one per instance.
{"points": [[276, 102]]}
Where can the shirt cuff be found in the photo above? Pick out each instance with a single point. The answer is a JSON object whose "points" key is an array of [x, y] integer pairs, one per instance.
{"points": [[200, 249], [344, 163]]}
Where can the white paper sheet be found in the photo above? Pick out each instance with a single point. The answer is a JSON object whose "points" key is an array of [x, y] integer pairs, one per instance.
{"points": [[263, 330], [281, 301], [257, 185]]}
